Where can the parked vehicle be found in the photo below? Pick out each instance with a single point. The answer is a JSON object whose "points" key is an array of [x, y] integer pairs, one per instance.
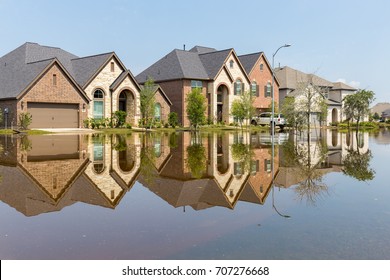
{"points": [[266, 119]]}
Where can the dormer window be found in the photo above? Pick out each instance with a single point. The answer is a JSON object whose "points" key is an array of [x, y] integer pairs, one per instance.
{"points": [[231, 63]]}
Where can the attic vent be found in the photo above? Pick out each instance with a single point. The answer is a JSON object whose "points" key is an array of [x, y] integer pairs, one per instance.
{"points": [[5, 64]]}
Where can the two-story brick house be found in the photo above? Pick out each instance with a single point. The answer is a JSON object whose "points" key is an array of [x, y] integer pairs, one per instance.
{"points": [[219, 74], [259, 71]]}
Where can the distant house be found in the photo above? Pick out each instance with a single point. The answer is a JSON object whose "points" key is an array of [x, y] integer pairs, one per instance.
{"points": [[259, 71], [291, 83], [60, 89], [219, 74]]}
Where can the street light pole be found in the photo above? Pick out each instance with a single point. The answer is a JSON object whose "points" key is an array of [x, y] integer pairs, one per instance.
{"points": [[272, 87], [273, 128]]}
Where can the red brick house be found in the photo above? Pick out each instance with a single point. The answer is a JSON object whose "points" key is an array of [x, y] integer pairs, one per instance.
{"points": [[259, 71]]}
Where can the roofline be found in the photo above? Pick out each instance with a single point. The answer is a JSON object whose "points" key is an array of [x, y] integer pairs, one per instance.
{"points": [[89, 56], [128, 73], [113, 54], [164, 95], [251, 53], [35, 80], [177, 79], [232, 51]]}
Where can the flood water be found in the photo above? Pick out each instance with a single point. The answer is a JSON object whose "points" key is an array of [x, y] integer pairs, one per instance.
{"points": [[317, 195]]}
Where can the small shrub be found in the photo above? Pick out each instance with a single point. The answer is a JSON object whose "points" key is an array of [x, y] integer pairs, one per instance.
{"points": [[25, 120], [118, 118], [128, 126], [166, 125], [173, 119], [87, 123]]}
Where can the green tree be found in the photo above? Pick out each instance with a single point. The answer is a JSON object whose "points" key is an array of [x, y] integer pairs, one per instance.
{"points": [[242, 108], [196, 107], [376, 116], [296, 119], [356, 106], [238, 111], [196, 156], [147, 103]]}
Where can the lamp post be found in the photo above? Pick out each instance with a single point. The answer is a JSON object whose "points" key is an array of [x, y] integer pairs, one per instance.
{"points": [[272, 87], [273, 128]]}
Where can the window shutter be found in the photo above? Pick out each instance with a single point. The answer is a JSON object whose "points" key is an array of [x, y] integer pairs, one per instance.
{"points": [[265, 164], [235, 88], [242, 88], [265, 91], [257, 91], [257, 165]]}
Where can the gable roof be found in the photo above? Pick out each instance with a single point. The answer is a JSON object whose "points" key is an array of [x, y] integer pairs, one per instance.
{"points": [[199, 63], [249, 61], [290, 78], [24, 65], [122, 77], [84, 68]]}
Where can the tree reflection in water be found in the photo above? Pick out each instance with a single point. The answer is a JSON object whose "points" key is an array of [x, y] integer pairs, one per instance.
{"points": [[357, 163], [306, 157], [196, 156]]}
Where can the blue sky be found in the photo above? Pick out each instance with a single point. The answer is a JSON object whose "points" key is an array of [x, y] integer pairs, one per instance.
{"points": [[337, 40]]}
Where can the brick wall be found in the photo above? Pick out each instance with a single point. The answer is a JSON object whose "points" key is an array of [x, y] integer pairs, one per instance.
{"points": [[262, 77], [44, 90], [174, 91], [165, 106]]}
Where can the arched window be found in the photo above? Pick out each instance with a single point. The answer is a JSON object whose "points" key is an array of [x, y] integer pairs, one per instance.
{"points": [[157, 112], [98, 104]]}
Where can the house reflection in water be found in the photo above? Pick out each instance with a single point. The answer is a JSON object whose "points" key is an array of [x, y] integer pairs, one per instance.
{"points": [[319, 152], [47, 173], [228, 167]]}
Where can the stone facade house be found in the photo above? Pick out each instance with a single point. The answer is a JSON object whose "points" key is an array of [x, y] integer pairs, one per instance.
{"points": [[293, 82], [260, 74], [61, 90], [219, 74]]}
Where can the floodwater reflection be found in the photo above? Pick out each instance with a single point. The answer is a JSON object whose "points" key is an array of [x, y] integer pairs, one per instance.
{"points": [[46, 173]]}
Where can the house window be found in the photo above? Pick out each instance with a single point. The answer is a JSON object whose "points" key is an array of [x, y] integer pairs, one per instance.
{"points": [[157, 112], [98, 156], [231, 64], [112, 66], [254, 89], [267, 165], [238, 87], [98, 102], [261, 67], [196, 84], [54, 79], [268, 90]]}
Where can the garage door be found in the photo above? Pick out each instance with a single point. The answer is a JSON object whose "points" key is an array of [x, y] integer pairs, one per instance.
{"points": [[53, 115]]}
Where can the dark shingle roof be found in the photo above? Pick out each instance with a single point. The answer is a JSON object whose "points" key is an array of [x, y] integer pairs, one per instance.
{"points": [[180, 64], [84, 68], [200, 49], [249, 60], [177, 64], [18, 70], [20, 67], [213, 61]]}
